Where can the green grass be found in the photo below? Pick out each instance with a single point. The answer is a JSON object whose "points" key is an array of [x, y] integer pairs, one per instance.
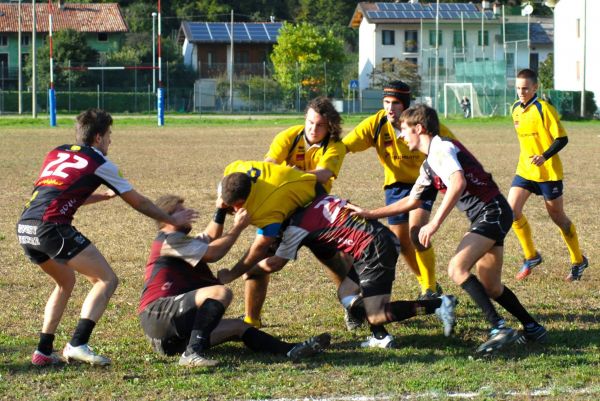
{"points": [[187, 157]]}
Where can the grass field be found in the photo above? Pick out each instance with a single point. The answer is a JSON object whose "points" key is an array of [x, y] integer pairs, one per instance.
{"points": [[188, 159]]}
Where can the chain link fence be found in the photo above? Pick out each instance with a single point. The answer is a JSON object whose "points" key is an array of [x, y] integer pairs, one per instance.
{"points": [[253, 88]]}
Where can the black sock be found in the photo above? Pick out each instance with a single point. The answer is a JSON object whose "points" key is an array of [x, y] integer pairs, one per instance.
{"points": [[45, 344], [476, 291], [401, 310], [259, 341], [509, 301], [379, 331], [208, 316], [82, 333]]}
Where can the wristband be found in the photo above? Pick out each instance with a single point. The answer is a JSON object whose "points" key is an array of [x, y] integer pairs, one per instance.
{"points": [[219, 216]]}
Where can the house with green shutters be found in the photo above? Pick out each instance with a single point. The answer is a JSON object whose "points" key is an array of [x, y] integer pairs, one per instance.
{"points": [[103, 24]]}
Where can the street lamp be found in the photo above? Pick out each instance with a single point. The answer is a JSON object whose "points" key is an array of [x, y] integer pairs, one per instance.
{"points": [[154, 14], [527, 10]]}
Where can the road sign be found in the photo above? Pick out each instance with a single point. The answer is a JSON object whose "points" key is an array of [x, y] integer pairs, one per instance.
{"points": [[353, 84]]}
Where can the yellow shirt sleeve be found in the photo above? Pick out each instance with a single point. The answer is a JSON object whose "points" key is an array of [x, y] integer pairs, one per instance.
{"points": [[282, 144], [361, 137]]}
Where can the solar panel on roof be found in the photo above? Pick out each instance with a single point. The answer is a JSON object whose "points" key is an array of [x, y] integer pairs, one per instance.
{"points": [[257, 32]]}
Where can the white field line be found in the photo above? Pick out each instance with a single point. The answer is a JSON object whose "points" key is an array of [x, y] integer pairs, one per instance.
{"points": [[467, 395]]}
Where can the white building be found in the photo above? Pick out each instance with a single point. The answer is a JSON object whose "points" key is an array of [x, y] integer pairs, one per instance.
{"points": [[576, 23], [407, 31]]}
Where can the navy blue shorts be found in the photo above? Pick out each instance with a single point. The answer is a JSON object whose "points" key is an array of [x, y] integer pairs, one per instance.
{"points": [[400, 190], [549, 189]]}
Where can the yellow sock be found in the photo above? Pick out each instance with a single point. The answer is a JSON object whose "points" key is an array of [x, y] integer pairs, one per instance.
{"points": [[426, 262], [523, 231], [572, 242], [256, 323]]}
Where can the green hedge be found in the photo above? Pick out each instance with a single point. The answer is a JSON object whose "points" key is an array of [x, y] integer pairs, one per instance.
{"points": [[114, 102]]}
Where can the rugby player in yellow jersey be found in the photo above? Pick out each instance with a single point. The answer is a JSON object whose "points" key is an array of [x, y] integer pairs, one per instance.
{"points": [[539, 171], [270, 193], [314, 147], [401, 166]]}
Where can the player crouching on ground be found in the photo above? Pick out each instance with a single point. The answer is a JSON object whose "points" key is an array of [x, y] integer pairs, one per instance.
{"points": [[326, 225], [452, 169], [182, 303]]}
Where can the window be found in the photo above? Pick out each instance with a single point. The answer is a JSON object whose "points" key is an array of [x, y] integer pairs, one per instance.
{"points": [[458, 41], [210, 58], [25, 40], [578, 28], [412, 60], [242, 57], [388, 37], [102, 37], [411, 42], [432, 38], [3, 40], [486, 38], [431, 65], [387, 64]]}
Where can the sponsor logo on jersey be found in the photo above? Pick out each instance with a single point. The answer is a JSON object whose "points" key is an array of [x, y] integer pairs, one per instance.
{"points": [[166, 286], [75, 148], [50, 181], [67, 206]]}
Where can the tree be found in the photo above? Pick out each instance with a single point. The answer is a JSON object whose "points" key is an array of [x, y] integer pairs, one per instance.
{"points": [[69, 46], [546, 72], [308, 59], [397, 70]]}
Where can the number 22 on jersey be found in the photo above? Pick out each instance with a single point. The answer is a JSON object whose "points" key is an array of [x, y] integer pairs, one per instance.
{"points": [[64, 161]]}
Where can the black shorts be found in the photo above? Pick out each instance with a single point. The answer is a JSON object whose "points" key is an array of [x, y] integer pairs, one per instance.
{"points": [[494, 220], [42, 241], [376, 268], [168, 322]]}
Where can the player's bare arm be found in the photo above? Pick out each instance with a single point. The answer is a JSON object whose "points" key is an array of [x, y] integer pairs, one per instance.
{"points": [[458, 183], [402, 206], [220, 246], [272, 264], [258, 250], [99, 197], [145, 206], [323, 174]]}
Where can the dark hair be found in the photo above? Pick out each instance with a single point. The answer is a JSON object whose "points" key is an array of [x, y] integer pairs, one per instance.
{"points": [[168, 203], [424, 115], [398, 90], [92, 122], [323, 106], [235, 187], [528, 74]]}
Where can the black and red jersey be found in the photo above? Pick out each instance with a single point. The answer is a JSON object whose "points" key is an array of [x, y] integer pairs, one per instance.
{"points": [[175, 267], [69, 175], [326, 222], [445, 157]]}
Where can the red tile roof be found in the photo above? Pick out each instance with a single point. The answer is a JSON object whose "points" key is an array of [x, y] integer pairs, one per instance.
{"points": [[106, 17]]}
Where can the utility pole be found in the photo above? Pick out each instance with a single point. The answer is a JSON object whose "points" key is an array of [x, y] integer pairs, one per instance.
{"points": [[33, 64]]}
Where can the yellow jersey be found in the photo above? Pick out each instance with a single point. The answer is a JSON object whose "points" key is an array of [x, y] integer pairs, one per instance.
{"points": [[537, 124], [290, 147], [400, 164], [277, 191]]}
